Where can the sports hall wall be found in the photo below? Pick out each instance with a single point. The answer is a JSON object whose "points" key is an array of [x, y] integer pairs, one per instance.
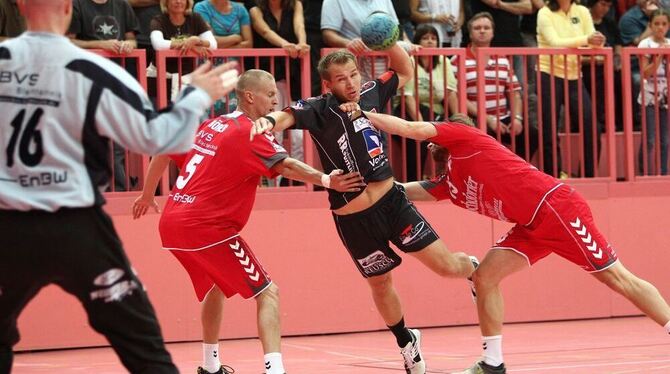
{"points": [[322, 292]]}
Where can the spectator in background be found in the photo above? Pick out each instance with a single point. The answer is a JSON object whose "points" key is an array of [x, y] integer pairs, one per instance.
{"points": [[447, 16], [504, 107], [609, 28], [312, 16], [145, 11], [341, 22], [12, 22], [634, 26], [434, 79], [654, 95], [402, 10], [229, 21], [105, 24], [507, 16], [563, 23], [177, 27], [280, 23], [528, 29], [110, 25]]}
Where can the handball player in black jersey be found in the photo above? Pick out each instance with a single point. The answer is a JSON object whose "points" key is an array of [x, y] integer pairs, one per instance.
{"points": [[368, 220]]}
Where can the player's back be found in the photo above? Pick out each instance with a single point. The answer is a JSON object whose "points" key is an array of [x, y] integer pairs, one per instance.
{"points": [[486, 177], [216, 188]]}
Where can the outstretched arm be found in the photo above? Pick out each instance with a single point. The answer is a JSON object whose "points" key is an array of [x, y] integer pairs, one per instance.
{"points": [[416, 192], [294, 169], [398, 126], [279, 121]]}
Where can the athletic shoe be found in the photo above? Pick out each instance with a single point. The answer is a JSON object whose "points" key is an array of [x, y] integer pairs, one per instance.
{"points": [[224, 369], [475, 263], [414, 363], [483, 368]]}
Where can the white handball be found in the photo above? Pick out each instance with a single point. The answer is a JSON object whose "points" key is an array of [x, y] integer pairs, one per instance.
{"points": [[229, 79]]}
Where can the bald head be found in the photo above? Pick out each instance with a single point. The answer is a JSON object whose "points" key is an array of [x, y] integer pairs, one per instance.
{"points": [[252, 80], [47, 15], [256, 93]]}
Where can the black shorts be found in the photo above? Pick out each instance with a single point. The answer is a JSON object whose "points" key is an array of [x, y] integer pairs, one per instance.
{"points": [[393, 218], [78, 250]]}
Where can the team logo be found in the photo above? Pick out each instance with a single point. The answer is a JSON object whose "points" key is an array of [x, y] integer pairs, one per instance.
{"points": [[368, 86], [375, 262], [373, 142], [411, 232], [362, 123], [298, 104]]}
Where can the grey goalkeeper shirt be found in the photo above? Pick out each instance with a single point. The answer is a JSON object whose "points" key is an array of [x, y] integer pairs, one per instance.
{"points": [[60, 105]]}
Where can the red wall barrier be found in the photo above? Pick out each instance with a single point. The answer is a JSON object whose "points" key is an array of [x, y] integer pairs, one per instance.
{"points": [[321, 291]]}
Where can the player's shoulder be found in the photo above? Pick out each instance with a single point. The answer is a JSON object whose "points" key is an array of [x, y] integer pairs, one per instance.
{"points": [[315, 102]]}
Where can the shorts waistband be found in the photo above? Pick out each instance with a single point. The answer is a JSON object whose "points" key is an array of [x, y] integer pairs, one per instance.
{"points": [[370, 209]]}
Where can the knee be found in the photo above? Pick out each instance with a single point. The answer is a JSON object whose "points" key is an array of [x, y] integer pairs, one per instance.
{"points": [[380, 284], [484, 279], [269, 295]]}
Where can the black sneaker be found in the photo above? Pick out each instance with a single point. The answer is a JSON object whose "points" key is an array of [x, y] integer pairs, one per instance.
{"points": [[483, 368], [223, 369], [475, 263], [411, 354]]}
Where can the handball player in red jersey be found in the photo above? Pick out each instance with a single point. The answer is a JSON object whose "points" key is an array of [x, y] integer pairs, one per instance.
{"points": [[485, 177], [210, 204]]}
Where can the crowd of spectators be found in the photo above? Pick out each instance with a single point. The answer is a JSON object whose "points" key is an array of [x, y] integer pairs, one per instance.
{"points": [[304, 27]]}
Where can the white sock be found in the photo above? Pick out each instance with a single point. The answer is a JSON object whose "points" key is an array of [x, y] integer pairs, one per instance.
{"points": [[273, 363], [492, 350], [210, 357], [667, 327]]}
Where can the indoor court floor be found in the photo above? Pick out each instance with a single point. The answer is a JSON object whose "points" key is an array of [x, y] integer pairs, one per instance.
{"points": [[618, 345]]}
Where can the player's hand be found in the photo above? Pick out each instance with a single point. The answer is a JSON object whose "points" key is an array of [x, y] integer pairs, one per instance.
{"points": [[260, 126], [350, 182], [142, 205], [214, 81], [356, 46], [350, 107]]}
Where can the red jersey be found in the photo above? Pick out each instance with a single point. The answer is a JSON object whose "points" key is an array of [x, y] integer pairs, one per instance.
{"points": [[485, 177], [216, 188]]}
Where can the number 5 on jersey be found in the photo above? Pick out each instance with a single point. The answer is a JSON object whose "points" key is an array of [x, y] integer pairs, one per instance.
{"points": [[189, 170]]}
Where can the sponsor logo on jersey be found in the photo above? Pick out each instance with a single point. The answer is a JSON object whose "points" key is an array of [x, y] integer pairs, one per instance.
{"points": [[472, 194], [373, 142], [12, 76], [218, 126], [343, 143], [367, 86], [375, 263], [412, 233], [361, 123], [298, 104]]}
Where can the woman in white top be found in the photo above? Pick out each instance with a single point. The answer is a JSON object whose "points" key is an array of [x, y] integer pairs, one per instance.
{"points": [[654, 94], [179, 28]]}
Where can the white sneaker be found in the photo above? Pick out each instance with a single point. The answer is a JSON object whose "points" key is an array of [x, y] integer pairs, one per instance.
{"points": [[414, 362], [475, 263]]}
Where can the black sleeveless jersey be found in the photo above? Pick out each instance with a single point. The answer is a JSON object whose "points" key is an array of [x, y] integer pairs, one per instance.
{"points": [[348, 141]]}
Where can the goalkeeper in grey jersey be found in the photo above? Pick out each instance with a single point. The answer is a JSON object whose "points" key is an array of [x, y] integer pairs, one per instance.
{"points": [[60, 108]]}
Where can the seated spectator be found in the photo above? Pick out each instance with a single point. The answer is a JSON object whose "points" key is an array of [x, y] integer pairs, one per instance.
{"points": [[654, 95], [12, 22], [502, 95], [229, 21], [447, 16], [110, 25], [431, 81], [563, 23], [435, 79]]}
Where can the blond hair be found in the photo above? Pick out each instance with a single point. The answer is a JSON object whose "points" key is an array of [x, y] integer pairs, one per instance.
{"points": [[188, 11]]}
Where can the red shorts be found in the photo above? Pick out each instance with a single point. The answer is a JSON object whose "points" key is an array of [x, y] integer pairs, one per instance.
{"points": [[563, 225], [229, 264]]}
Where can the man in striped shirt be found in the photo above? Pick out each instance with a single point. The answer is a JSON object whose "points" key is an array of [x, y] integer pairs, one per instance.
{"points": [[504, 117]]}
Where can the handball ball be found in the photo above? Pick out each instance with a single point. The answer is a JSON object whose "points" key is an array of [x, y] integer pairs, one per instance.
{"points": [[379, 31]]}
